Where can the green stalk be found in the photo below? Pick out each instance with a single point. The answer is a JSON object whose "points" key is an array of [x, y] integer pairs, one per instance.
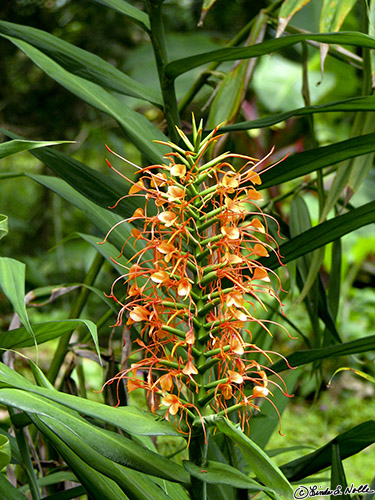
{"points": [[157, 36], [77, 308]]}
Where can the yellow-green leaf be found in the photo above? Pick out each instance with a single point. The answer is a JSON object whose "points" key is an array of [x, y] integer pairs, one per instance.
{"points": [[287, 11]]}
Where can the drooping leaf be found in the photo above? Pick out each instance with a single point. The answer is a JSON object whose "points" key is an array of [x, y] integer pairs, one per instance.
{"points": [[20, 337], [137, 486], [136, 15], [265, 470], [349, 443], [360, 373], [138, 129], [12, 281], [81, 62], [287, 11], [99, 486], [110, 445], [300, 358], [180, 66], [130, 419], [3, 226], [220, 473], [11, 147], [323, 233]]}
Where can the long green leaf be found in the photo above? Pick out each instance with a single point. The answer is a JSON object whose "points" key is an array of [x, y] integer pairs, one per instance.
{"points": [[138, 129], [219, 473], [11, 147], [265, 470], [322, 234], [299, 358], [136, 15], [97, 485], [180, 66], [8, 491], [4, 451], [12, 281], [366, 103], [349, 443], [130, 419], [112, 446], [137, 486], [338, 478], [309, 161], [81, 62], [20, 337]]}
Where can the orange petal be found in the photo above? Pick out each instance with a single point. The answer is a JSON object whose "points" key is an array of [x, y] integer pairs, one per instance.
{"points": [[138, 186], [258, 225], [232, 233], [178, 170], [167, 218], [260, 391], [139, 313], [175, 193], [184, 288], [260, 250], [260, 274], [252, 194], [235, 377], [159, 276], [189, 368]]}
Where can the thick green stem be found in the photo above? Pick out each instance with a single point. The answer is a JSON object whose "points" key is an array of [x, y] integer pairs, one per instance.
{"points": [[157, 36], [198, 455], [77, 308]]}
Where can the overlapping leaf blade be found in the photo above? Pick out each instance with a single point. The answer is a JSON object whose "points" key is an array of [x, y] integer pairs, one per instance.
{"points": [[180, 66], [11, 147], [137, 128], [128, 10]]}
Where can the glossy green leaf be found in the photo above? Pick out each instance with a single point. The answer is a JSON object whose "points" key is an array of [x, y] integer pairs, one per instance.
{"points": [[322, 234], [8, 491], [111, 446], [5, 454], [138, 129], [137, 486], [333, 14], [300, 358], [12, 281], [3, 226], [366, 103], [99, 486], [304, 163], [265, 470], [220, 473], [96, 186], [81, 62], [69, 494], [180, 66], [130, 419], [11, 147], [136, 15], [349, 443], [20, 337], [287, 11]]}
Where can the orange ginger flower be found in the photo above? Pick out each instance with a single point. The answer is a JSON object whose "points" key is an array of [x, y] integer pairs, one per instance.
{"points": [[195, 280]]}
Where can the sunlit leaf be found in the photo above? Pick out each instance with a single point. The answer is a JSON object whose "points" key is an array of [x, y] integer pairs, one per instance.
{"points": [[12, 281], [287, 11], [332, 16], [3, 226]]}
